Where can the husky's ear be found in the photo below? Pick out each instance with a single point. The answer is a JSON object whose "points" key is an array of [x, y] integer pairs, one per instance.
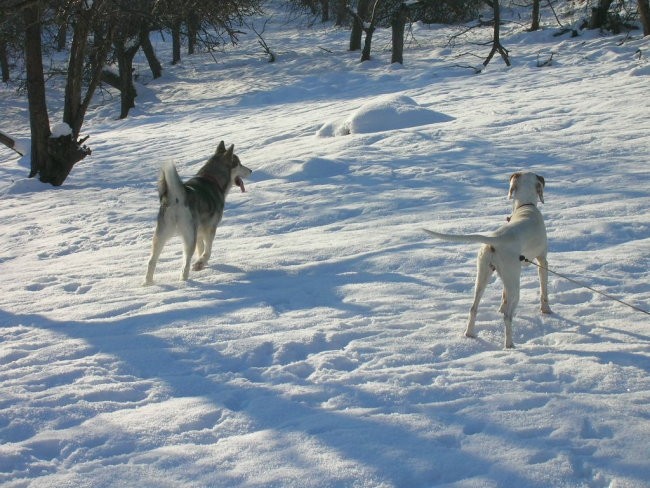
{"points": [[539, 186], [221, 148], [230, 151], [513, 184]]}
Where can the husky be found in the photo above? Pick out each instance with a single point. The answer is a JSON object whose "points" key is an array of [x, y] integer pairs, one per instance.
{"points": [[194, 209], [521, 239]]}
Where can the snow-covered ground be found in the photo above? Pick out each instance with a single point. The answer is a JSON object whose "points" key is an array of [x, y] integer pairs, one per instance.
{"points": [[323, 347]]}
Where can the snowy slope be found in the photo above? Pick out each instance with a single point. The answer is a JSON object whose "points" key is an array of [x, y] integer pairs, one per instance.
{"points": [[323, 344]]}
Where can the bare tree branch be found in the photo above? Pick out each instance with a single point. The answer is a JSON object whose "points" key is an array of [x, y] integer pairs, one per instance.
{"points": [[269, 52]]}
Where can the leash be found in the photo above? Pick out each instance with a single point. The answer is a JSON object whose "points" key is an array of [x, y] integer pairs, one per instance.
{"points": [[610, 297]]}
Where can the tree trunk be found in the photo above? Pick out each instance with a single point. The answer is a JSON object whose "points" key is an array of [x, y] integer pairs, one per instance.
{"points": [[193, 26], [397, 28], [4, 62], [496, 41], [74, 83], [147, 48], [176, 42], [534, 26], [51, 158], [599, 14], [365, 54], [125, 57], [325, 10], [97, 59], [61, 37], [65, 151], [38, 118], [340, 12], [644, 13], [357, 24], [84, 65]]}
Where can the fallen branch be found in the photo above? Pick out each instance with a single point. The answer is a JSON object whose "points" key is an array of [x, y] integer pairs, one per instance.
{"points": [[544, 63], [9, 142]]}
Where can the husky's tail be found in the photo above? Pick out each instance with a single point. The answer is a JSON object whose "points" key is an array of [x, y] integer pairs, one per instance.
{"points": [[464, 237], [170, 186]]}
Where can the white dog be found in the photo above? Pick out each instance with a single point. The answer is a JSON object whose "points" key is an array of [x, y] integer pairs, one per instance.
{"points": [[523, 237]]}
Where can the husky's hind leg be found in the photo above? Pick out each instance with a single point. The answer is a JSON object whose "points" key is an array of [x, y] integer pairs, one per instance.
{"points": [[200, 247], [187, 230], [161, 235], [204, 247]]}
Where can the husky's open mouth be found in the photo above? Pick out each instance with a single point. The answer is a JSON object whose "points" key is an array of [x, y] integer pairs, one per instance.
{"points": [[240, 183]]}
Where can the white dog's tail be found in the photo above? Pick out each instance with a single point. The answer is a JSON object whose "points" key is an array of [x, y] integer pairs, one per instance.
{"points": [[464, 237], [170, 185]]}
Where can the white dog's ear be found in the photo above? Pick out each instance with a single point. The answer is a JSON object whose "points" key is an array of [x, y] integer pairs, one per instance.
{"points": [[540, 187], [513, 184]]}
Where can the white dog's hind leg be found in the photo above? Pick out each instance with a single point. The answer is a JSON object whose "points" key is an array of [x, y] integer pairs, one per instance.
{"points": [[484, 270], [504, 302], [511, 282], [542, 271]]}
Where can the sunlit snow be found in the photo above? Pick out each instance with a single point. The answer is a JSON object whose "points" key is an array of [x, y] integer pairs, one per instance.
{"points": [[322, 345]]}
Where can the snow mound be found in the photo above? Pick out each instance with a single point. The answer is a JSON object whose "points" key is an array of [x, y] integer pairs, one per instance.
{"points": [[641, 71], [60, 130], [385, 113], [21, 186]]}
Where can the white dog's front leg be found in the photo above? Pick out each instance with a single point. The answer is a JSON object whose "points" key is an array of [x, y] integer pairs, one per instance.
{"points": [[507, 318], [509, 344]]}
